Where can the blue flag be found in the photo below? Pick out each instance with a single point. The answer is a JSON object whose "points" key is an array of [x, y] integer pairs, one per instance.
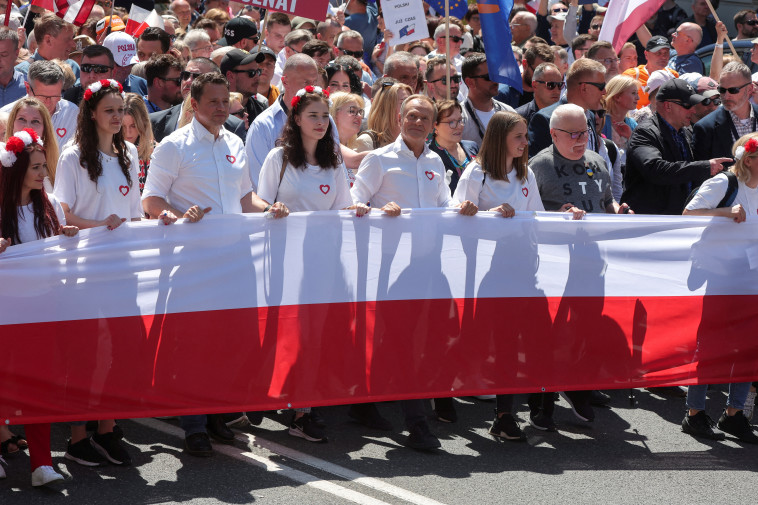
{"points": [[458, 8], [497, 36]]}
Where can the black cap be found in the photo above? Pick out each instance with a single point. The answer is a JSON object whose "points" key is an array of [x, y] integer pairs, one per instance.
{"points": [[237, 29], [237, 57], [657, 43], [679, 91], [263, 51]]}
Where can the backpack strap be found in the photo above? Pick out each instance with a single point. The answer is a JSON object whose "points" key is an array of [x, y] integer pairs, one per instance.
{"points": [[731, 190]]}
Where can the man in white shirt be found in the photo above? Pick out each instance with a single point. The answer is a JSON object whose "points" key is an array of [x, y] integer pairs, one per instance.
{"points": [[480, 105], [406, 174], [440, 42], [45, 83]]}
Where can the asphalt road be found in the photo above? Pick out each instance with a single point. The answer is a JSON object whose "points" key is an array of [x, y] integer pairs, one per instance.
{"points": [[628, 455]]}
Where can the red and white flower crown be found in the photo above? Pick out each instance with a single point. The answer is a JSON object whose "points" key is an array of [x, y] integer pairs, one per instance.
{"points": [[309, 89], [17, 143], [103, 83], [750, 147]]}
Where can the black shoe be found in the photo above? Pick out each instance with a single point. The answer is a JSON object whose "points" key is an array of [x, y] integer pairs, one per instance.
{"points": [[83, 453], [419, 437], [238, 420], [109, 447], [599, 399], [255, 418], [198, 444], [117, 431], [317, 418], [304, 427], [738, 426], [542, 421], [670, 391], [368, 415], [218, 430], [507, 428], [581, 410], [445, 410], [701, 425]]}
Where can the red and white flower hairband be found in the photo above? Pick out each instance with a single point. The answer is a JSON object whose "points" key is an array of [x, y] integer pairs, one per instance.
{"points": [[17, 143], [750, 147], [309, 89], [103, 83]]}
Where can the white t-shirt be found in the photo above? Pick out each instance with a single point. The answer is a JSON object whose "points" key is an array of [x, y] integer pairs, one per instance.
{"points": [[64, 120], [484, 117], [713, 190], [487, 193], [26, 231], [312, 188], [111, 195]]}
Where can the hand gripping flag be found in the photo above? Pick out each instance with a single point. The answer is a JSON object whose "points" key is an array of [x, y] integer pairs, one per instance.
{"points": [[497, 36]]}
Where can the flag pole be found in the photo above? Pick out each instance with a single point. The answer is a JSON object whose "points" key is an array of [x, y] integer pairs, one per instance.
{"points": [[110, 23], [716, 17], [26, 16], [447, 45], [8, 12]]}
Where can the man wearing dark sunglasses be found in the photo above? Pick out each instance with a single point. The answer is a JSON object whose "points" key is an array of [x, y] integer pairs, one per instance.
{"points": [[440, 43], [164, 82], [241, 33], [436, 79], [243, 72], [684, 41], [480, 105], [746, 23], [716, 133], [548, 84], [98, 63], [709, 89]]}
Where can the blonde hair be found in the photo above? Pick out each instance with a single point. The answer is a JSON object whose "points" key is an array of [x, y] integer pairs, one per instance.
{"points": [[617, 85], [48, 133], [235, 96], [739, 169], [187, 113], [384, 112], [492, 155], [134, 105], [341, 99]]}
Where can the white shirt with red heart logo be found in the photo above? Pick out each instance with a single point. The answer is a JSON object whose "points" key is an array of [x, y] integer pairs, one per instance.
{"points": [[489, 193]]}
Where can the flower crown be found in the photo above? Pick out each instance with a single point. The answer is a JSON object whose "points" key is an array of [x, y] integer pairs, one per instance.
{"points": [[17, 143], [750, 147], [103, 83], [309, 89]]}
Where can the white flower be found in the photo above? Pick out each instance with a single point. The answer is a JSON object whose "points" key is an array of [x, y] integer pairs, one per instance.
{"points": [[7, 158], [24, 136], [739, 153]]}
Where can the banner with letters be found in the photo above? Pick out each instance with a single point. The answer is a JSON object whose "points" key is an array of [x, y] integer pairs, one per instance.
{"points": [[406, 20], [243, 312], [311, 9]]}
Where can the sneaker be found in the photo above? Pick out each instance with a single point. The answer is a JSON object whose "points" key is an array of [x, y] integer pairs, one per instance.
{"points": [[109, 447], [83, 453], [304, 427], [317, 418], [738, 426], [599, 399], [368, 415], [238, 421], [582, 411], [255, 418], [542, 421], [445, 410], [702, 426], [421, 438], [506, 427], [749, 405], [198, 444], [44, 475]]}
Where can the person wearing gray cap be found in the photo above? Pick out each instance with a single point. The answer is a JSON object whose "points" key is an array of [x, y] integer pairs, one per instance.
{"points": [[241, 33], [661, 169], [243, 72]]}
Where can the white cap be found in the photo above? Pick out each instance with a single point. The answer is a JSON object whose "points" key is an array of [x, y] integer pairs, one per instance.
{"points": [[123, 47], [656, 79], [558, 16]]}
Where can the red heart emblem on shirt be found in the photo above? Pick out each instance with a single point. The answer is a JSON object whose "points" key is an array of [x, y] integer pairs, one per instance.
{"points": [[124, 190], [525, 191], [230, 158], [324, 188], [429, 175], [61, 132]]}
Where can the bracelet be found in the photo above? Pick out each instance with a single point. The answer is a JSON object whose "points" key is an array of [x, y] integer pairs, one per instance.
{"points": [[267, 208]]}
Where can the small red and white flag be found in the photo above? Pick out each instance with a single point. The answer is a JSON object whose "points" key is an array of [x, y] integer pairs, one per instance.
{"points": [[72, 11], [143, 15], [624, 17]]}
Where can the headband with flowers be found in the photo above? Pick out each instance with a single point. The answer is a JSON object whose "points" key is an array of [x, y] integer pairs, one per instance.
{"points": [[17, 143], [103, 83], [750, 147], [309, 89]]}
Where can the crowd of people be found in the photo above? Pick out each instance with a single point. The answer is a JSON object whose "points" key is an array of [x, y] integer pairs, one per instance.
{"points": [[229, 109]]}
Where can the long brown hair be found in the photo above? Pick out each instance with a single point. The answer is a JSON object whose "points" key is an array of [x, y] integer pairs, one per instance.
{"points": [[134, 106], [291, 139], [48, 133], [492, 155]]}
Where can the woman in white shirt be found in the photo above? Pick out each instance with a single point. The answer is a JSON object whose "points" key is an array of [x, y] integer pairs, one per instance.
{"points": [[28, 214]]}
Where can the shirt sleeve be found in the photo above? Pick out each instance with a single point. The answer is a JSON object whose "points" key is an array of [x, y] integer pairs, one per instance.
{"points": [[368, 180], [58, 210], [342, 200], [164, 169], [470, 184], [268, 184], [534, 200], [246, 184], [257, 145], [66, 176], [710, 194]]}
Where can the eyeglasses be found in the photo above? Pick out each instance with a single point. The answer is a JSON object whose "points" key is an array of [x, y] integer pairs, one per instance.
{"points": [[454, 38], [599, 113], [255, 39], [598, 85], [95, 68], [686, 106], [709, 101], [255, 72], [189, 75], [609, 61], [596, 27], [486, 77], [293, 50], [355, 112], [558, 9], [453, 78], [551, 84], [454, 123], [46, 97], [358, 55], [240, 113], [574, 135], [175, 80], [751, 22], [733, 90]]}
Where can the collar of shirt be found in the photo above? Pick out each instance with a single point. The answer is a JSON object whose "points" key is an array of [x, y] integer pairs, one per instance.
{"points": [[737, 120], [401, 148], [200, 132], [37, 57], [673, 130]]}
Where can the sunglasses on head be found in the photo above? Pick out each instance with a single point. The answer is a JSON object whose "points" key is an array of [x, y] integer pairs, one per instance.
{"points": [[189, 75], [733, 90], [95, 68], [455, 38], [250, 73], [552, 84], [453, 78]]}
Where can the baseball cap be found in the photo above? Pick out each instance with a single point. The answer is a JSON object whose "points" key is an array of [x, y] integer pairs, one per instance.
{"points": [[657, 43], [707, 87], [237, 57], [678, 90], [81, 42], [656, 79], [237, 29], [299, 21], [116, 25], [123, 47], [558, 16], [265, 51]]}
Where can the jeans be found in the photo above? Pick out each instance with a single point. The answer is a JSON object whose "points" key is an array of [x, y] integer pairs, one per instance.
{"points": [[737, 393], [193, 424]]}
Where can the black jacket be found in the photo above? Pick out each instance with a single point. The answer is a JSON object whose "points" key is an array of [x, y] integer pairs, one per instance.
{"points": [[165, 123], [658, 179], [713, 134], [527, 111]]}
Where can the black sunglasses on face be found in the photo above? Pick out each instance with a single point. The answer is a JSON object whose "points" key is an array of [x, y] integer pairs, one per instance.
{"points": [[175, 80], [596, 27], [687, 106], [455, 38], [558, 10], [733, 90], [453, 78], [240, 113], [714, 101], [751, 22], [95, 68], [486, 77], [250, 73], [552, 84], [599, 113], [598, 85], [358, 55], [189, 75]]}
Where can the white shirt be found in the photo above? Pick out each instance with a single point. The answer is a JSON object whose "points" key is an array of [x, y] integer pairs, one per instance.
{"points": [[487, 193], [712, 191], [26, 231], [190, 167], [281, 59], [393, 174], [64, 120], [311, 188], [111, 195]]}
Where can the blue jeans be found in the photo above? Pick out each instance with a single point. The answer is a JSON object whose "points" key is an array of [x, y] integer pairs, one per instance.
{"points": [[737, 394], [195, 424]]}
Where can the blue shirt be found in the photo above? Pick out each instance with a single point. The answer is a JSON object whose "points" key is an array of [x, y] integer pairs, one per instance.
{"points": [[14, 90], [686, 63], [365, 24], [262, 135], [23, 67]]}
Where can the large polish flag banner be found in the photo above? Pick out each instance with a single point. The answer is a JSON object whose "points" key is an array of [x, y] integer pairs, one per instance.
{"points": [[624, 17], [245, 313]]}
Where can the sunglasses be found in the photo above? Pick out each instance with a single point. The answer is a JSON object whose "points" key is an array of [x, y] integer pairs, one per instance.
{"points": [[714, 101], [175, 80], [733, 90], [752, 22], [454, 38], [486, 77], [255, 72], [552, 84], [686, 106], [95, 68], [599, 113], [558, 10], [574, 135], [598, 85], [189, 75], [240, 113], [596, 27], [358, 55], [453, 78]]}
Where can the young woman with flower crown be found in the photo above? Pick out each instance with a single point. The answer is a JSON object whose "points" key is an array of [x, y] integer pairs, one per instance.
{"points": [[97, 184], [27, 213]]}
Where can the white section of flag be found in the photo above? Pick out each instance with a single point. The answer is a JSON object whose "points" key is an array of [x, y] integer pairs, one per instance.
{"points": [[624, 17]]}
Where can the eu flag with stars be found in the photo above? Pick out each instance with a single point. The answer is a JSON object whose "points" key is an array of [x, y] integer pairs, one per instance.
{"points": [[458, 8], [496, 32]]}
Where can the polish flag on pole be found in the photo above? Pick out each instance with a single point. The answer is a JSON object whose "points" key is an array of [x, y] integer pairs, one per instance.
{"points": [[141, 16], [624, 17], [72, 11]]}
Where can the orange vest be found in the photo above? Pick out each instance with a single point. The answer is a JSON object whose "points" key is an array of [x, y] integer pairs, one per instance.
{"points": [[641, 75]]}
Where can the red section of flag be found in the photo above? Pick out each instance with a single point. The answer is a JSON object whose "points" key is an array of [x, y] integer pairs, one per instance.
{"points": [[73, 11], [311, 9]]}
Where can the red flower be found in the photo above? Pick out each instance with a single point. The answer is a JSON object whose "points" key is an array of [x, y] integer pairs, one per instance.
{"points": [[295, 101], [326, 92], [88, 94], [15, 145], [120, 87], [309, 89], [105, 83], [32, 134], [751, 146]]}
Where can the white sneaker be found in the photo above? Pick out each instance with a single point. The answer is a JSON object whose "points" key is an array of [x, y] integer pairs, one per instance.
{"points": [[485, 397], [749, 405], [45, 475]]}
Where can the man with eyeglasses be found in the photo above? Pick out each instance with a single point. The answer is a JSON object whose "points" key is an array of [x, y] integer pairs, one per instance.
{"points": [[534, 56], [480, 105], [523, 27], [243, 72], [684, 41], [746, 24], [657, 54], [240, 32], [436, 80], [603, 52], [548, 84], [661, 167], [164, 82], [716, 133], [543, 22], [363, 17]]}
